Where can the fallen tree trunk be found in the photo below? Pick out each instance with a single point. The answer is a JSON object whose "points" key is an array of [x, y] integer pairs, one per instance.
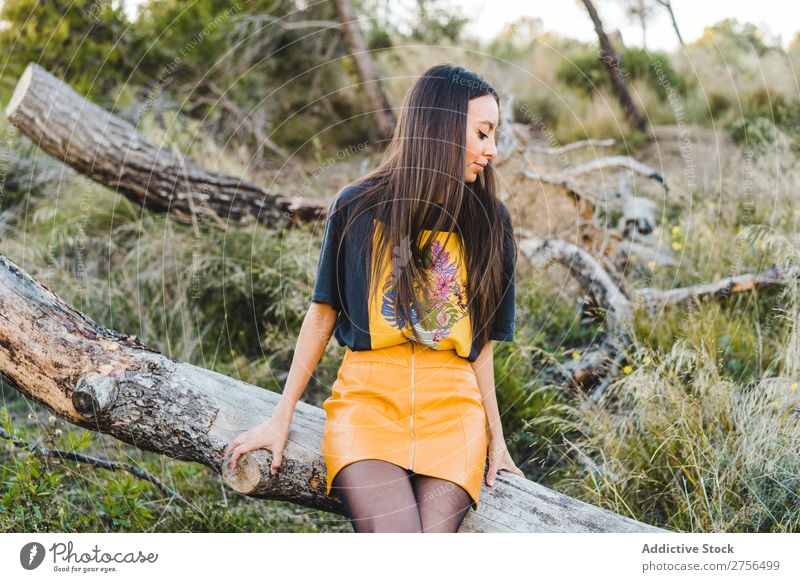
{"points": [[558, 150], [598, 362], [110, 382], [112, 152], [655, 299]]}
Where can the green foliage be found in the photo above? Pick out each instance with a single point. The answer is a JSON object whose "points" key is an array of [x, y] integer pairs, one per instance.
{"points": [[437, 22], [764, 113], [677, 445], [542, 109], [121, 505], [235, 66], [82, 42], [730, 38], [24, 176], [27, 497], [523, 401], [585, 73]]}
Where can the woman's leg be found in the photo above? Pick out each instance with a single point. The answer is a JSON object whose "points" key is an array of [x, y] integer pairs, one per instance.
{"points": [[442, 503], [378, 497]]}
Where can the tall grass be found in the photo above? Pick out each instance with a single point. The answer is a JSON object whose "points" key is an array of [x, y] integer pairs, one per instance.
{"points": [[700, 432]]}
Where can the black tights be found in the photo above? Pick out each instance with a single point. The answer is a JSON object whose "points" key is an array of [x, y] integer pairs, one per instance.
{"points": [[383, 497]]}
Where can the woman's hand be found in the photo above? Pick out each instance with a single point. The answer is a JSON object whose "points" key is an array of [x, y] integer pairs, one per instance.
{"points": [[271, 435], [500, 459]]}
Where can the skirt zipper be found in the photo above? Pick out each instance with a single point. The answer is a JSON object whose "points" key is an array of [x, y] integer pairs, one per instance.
{"points": [[411, 420]]}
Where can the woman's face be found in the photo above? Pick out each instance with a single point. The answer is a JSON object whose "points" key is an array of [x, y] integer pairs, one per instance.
{"points": [[482, 118]]}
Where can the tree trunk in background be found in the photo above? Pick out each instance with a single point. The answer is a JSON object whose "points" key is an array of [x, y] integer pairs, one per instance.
{"points": [[112, 152], [110, 382], [611, 61], [668, 5], [365, 66]]}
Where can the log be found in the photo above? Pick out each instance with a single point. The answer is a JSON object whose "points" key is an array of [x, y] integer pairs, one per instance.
{"points": [[623, 162], [638, 218], [110, 382], [613, 302], [654, 299], [556, 151], [507, 143], [112, 152], [600, 360]]}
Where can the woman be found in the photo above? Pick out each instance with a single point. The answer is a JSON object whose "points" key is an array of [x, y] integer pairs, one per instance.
{"points": [[413, 412]]}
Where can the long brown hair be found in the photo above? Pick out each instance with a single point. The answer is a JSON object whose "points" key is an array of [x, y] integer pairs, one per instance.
{"points": [[425, 161]]}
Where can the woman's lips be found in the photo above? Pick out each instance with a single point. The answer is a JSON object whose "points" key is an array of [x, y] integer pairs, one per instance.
{"points": [[479, 165]]}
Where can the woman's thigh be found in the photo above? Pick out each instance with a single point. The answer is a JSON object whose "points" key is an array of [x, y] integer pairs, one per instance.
{"points": [[442, 504], [378, 497]]}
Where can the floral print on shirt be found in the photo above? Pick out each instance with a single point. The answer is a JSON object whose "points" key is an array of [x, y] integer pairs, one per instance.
{"points": [[443, 302]]}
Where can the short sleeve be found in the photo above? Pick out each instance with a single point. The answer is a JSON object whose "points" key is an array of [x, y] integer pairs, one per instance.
{"points": [[505, 317], [330, 284]]}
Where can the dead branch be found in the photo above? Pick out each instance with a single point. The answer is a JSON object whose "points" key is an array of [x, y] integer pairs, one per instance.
{"points": [[554, 151]]}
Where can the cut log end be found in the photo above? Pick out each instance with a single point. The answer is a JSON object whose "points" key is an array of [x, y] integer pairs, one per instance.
{"points": [[251, 469], [20, 91]]}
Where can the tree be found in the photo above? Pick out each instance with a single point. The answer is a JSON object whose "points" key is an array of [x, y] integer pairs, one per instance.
{"points": [[82, 41], [367, 72], [612, 63], [667, 4], [639, 11]]}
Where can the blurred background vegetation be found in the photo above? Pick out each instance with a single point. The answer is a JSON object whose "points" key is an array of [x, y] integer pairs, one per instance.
{"points": [[701, 432]]}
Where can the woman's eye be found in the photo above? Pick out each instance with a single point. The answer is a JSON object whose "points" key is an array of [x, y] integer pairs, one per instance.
{"points": [[482, 135]]}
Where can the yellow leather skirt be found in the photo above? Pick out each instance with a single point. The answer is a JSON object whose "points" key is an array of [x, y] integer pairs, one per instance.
{"points": [[410, 405]]}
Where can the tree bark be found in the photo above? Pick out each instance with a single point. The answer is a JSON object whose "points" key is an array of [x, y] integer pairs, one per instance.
{"points": [[110, 382], [354, 41], [611, 61], [111, 151]]}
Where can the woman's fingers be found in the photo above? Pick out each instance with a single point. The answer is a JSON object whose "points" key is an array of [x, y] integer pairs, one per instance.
{"points": [[255, 439], [491, 474], [512, 469], [277, 458], [234, 443], [494, 468], [238, 451]]}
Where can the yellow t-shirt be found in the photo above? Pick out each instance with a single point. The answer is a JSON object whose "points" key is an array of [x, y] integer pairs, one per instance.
{"points": [[444, 323], [368, 323]]}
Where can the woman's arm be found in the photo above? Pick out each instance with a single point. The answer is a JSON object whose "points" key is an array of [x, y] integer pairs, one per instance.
{"points": [[499, 457], [273, 433], [315, 333], [484, 370]]}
